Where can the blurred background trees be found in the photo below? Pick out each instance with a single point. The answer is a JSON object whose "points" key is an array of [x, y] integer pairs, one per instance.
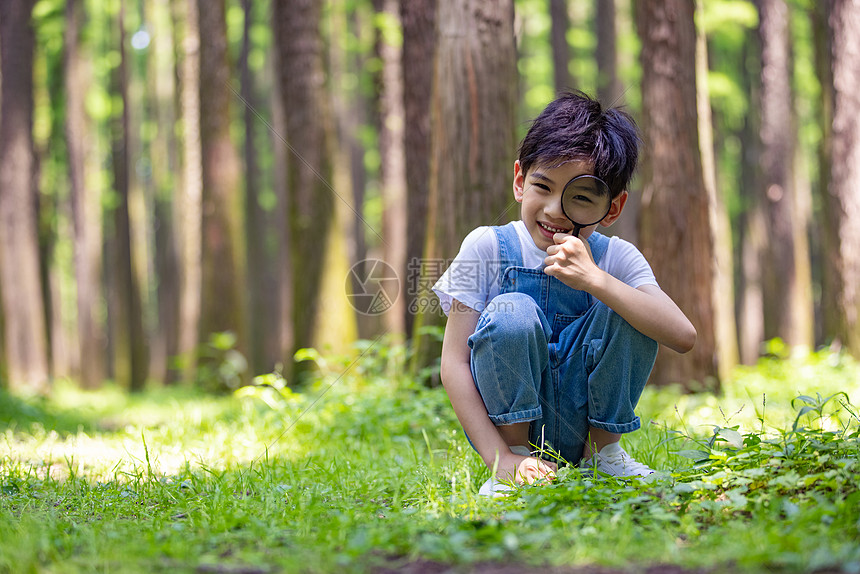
{"points": [[193, 191]]}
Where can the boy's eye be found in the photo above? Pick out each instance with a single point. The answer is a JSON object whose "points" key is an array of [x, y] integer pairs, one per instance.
{"points": [[542, 187]]}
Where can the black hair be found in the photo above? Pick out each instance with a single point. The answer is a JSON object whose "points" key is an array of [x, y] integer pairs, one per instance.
{"points": [[575, 127]]}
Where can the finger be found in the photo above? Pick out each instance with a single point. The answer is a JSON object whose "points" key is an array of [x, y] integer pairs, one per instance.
{"points": [[536, 469], [560, 238], [533, 474]]}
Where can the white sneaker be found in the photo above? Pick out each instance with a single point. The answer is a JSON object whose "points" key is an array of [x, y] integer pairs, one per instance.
{"points": [[493, 487], [614, 460]]}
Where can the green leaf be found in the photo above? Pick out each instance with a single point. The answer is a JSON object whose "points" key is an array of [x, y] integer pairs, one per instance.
{"points": [[737, 498], [805, 398], [733, 437], [694, 486], [697, 455], [307, 354]]}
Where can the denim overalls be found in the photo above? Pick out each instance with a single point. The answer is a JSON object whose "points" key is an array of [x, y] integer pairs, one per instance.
{"points": [[543, 352]]}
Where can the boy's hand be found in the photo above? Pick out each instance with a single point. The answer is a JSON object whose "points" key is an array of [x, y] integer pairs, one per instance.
{"points": [[570, 261], [528, 469]]}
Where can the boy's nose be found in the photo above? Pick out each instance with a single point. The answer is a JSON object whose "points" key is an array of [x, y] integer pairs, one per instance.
{"points": [[553, 209]]}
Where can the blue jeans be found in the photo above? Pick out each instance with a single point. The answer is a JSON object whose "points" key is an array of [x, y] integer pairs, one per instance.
{"points": [[592, 375]]}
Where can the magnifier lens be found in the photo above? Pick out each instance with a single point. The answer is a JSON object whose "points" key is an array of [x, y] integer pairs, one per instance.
{"points": [[585, 200]]}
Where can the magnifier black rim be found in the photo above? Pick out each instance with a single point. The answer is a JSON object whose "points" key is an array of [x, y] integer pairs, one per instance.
{"points": [[564, 190]]}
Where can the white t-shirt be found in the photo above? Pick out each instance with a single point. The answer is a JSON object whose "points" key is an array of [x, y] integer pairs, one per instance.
{"points": [[473, 276]]}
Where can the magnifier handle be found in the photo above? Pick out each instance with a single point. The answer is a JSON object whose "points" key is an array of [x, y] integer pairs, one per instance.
{"points": [[576, 229]]}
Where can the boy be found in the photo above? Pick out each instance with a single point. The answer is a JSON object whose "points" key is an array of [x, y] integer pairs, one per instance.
{"points": [[552, 334]]}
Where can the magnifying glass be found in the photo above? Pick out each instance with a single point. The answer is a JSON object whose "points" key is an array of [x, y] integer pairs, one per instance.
{"points": [[585, 201]]}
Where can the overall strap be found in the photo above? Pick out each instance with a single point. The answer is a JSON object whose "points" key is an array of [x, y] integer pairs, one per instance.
{"points": [[599, 243], [510, 252]]}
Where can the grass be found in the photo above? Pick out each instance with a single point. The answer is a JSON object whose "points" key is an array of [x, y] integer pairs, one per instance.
{"points": [[365, 469]]}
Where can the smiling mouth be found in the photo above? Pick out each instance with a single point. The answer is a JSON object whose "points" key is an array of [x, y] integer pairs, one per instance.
{"points": [[552, 229]]}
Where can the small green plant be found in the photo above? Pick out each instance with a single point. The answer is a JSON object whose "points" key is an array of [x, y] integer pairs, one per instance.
{"points": [[220, 365]]}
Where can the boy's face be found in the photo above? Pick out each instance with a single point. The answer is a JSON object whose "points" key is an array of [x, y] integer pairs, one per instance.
{"points": [[539, 192]]}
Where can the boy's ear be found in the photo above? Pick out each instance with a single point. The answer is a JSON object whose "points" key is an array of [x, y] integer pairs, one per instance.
{"points": [[519, 182], [615, 209]]}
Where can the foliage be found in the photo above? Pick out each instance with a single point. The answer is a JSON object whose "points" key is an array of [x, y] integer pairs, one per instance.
{"points": [[366, 468], [220, 365]]}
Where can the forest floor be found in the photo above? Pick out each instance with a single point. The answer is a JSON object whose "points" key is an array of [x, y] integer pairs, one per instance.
{"points": [[366, 470]]}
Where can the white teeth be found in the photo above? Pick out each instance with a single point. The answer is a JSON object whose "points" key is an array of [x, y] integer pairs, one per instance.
{"points": [[552, 229]]}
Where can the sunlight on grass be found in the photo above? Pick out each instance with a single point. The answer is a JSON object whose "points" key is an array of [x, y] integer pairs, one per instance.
{"points": [[365, 466], [758, 399]]}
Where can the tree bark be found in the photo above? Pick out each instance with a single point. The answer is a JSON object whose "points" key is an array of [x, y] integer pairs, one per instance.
{"points": [[418, 18], [130, 364], [843, 194], [473, 137], [188, 203], [752, 238], [783, 317], [560, 24], [723, 272], [23, 311], [281, 219], [259, 308], [392, 152], [85, 211], [166, 170], [352, 108], [829, 313], [296, 26], [222, 301], [609, 89], [675, 228]]}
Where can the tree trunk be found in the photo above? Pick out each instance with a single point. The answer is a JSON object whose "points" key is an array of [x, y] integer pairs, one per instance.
{"points": [[777, 155], [85, 210], [296, 26], [188, 203], [609, 89], [723, 272], [259, 307], [829, 313], [351, 110], [473, 137], [128, 332], [752, 238], [843, 194], [166, 167], [560, 24], [392, 152], [281, 219], [419, 46], [222, 301], [675, 228], [23, 311]]}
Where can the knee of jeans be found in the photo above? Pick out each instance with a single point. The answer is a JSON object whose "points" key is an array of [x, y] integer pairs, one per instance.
{"points": [[511, 314], [514, 310]]}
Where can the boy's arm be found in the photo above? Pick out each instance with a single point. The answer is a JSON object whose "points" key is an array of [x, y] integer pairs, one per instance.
{"points": [[468, 405], [647, 308]]}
